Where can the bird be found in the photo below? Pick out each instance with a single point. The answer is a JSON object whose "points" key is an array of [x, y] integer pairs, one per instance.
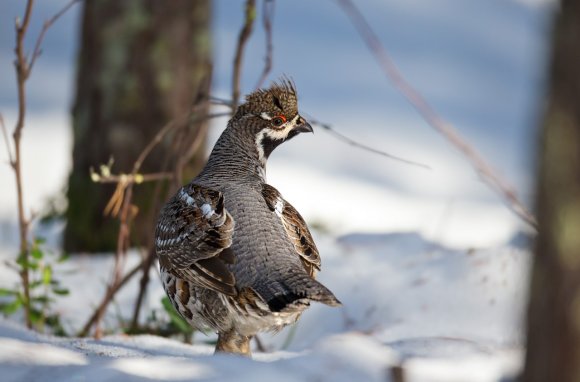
{"points": [[234, 256]]}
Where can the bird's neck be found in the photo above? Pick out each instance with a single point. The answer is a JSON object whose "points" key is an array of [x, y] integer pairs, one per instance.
{"points": [[235, 156]]}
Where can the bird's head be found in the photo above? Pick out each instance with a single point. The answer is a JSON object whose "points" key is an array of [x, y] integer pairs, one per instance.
{"points": [[271, 117]]}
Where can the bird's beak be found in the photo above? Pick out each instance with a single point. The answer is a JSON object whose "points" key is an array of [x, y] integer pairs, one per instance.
{"points": [[302, 126]]}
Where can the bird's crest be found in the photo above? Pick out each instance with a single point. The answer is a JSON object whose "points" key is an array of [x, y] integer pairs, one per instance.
{"points": [[280, 98]]}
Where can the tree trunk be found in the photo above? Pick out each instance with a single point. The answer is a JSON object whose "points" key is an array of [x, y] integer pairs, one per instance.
{"points": [[142, 63], [554, 312]]}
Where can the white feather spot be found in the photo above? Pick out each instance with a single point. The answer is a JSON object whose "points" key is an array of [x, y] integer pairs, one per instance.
{"points": [[279, 206], [207, 211], [265, 116], [185, 197]]}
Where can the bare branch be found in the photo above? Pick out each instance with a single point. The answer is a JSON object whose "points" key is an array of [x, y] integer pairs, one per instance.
{"points": [[23, 70], [120, 205], [130, 178], [245, 32], [267, 17], [99, 311], [221, 102], [164, 130], [485, 171], [354, 143], [23, 222], [47, 24], [339, 136], [146, 265]]}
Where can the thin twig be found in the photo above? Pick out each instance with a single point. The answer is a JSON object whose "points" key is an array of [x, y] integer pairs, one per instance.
{"points": [[221, 102], [6, 140], [183, 155], [146, 265], [120, 254], [164, 130], [245, 32], [46, 26], [121, 203], [23, 70], [124, 196], [130, 178], [198, 140], [21, 75], [485, 171], [354, 143], [267, 17], [339, 136], [107, 299]]}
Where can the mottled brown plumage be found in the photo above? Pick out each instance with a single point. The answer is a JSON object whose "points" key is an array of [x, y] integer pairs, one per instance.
{"points": [[235, 256]]}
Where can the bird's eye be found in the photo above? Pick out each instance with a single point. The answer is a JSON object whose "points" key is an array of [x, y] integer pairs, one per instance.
{"points": [[278, 120]]}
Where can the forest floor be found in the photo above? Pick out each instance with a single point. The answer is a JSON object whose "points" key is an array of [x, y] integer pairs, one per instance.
{"points": [[441, 314]]}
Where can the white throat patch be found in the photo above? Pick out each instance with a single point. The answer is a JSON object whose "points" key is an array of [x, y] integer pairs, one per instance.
{"points": [[274, 134]]}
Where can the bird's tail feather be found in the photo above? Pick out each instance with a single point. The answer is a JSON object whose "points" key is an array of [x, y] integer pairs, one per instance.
{"points": [[299, 288]]}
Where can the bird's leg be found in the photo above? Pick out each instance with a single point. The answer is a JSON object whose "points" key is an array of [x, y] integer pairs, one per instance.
{"points": [[233, 342]]}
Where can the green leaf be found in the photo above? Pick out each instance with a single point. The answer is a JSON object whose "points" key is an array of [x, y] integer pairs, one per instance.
{"points": [[12, 307], [35, 316], [174, 316], [20, 261], [64, 257], [39, 240], [47, 275], [36, 253], [53, 320], [24, 264], [60, 291], [168, 306], [8, 292], [35, 284], [42, 299]]}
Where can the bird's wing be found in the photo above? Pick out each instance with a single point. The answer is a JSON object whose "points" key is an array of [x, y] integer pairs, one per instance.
{"points": [[193, 236], [295, 228]]}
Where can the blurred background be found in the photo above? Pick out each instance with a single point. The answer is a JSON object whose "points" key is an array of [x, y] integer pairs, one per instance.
{"points": [[428, 262], [481, 65]]}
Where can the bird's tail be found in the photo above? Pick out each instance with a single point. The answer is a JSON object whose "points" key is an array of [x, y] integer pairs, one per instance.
{"points": [[298, 288]]}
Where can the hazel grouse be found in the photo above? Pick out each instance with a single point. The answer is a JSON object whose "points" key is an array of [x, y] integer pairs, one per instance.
{"points": [[235, 256]]}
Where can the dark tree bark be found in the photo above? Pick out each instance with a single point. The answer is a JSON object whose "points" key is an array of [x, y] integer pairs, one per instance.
{"points": [[554, 312], [142, 63]]}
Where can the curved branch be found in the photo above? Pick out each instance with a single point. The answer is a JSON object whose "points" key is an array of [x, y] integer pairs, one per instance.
{"points": [[483, 169], [359, 145], [267, 17], [245, 33], [45, 27]]}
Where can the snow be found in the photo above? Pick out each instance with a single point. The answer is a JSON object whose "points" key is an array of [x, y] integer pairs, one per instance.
{"points": [[346, 357], [442, 314]]}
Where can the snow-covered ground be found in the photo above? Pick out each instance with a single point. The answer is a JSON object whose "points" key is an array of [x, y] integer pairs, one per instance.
{"points": [[442, 314]]}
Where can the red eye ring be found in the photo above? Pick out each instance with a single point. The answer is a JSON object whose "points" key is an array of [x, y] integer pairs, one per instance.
{"points": [[278, 120]]}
